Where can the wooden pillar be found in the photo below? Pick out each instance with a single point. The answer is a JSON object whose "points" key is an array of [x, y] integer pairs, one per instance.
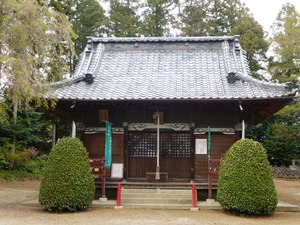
{"points": [[126, 166], [192, 151]]}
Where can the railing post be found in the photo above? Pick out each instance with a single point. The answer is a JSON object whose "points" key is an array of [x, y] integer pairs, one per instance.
{"points": [[194, 195], [194, 198], [118, 206], [210, 187]]}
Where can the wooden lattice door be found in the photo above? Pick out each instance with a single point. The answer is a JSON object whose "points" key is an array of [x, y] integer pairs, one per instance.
{"points": [[175, 153]]}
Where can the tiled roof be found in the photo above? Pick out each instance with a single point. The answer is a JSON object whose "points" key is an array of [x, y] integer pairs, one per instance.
{"points": [[191, 68]]}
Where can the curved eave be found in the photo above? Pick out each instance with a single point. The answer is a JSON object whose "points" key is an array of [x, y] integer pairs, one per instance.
{"points": [[284, 98]]}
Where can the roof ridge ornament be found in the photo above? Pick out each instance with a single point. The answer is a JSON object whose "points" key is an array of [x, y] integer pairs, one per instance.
{"points": [[231, 77], [88, 78], [230, 69]]}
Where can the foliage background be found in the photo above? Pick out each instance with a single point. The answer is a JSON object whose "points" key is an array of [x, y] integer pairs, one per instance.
{"points": [[34, 52]]}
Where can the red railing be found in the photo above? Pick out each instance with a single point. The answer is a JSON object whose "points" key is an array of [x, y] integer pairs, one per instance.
{"points": [[212, 171], [97, 166]]}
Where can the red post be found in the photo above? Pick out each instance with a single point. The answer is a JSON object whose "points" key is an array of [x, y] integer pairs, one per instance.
{"points": [[119, 195], [210, 186], [103, 186], [194, 196]]}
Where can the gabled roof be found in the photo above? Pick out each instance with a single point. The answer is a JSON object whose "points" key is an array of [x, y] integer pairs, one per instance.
{"points": [[181, 68]]}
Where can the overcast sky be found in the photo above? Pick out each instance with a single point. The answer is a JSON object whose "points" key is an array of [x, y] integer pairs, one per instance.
{"points": [[265, 11]]}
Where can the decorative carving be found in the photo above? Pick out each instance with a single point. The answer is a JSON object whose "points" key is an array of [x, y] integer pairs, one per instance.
{"points": [[137, 126], [226, 130], [179, 126], [115, 130], [166, 126]]}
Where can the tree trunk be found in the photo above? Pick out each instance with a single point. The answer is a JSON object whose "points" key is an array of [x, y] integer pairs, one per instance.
{"points": [[15, 115]]}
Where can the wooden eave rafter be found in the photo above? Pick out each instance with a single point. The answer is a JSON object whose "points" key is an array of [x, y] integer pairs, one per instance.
{"points": [[263, 107], [267, 107]]}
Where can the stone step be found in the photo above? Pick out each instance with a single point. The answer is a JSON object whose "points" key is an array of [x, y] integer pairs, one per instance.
{"points": [[157, 206], [157, 190], [160, 195], [164, 198], [157, 200]]}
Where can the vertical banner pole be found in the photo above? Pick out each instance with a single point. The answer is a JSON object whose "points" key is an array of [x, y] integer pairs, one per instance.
{"points": [[108, 148], [103, 187], [157, 175], [208, 158], [210, 186], [103, 177], [243, 129], [73, 135], [108, 144]]}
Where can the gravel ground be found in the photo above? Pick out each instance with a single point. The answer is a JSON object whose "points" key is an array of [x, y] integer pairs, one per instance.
{"points": [[13, 211]]}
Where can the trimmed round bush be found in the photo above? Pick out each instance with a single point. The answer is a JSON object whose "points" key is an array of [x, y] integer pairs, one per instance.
{"points": [[246, 184], [68, 184]]}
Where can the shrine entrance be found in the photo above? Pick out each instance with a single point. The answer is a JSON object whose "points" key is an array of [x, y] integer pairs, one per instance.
{"points": [[175, 153]]}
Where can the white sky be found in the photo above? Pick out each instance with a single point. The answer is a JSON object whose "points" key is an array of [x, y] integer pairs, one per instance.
{"points": [[266, 11]]}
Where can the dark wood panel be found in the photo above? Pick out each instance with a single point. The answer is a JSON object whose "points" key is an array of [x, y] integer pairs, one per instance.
{"points": [[95, 144], [139, 166], [176, 167], [219, 145]]}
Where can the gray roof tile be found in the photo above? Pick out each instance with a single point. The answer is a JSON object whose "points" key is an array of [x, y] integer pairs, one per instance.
{"points": [[165, 68]]}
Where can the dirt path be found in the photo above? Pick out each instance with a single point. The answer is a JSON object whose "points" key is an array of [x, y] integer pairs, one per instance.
{"points": [[12, 211], [288, 190]]}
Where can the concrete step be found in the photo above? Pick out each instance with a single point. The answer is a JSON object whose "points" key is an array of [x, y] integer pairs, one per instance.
{"points": [[157, 200], [155, 196], [154, 190], [163, 198], [157, 206], [189, 193]]}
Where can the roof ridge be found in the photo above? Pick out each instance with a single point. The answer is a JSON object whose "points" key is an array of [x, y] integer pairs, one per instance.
{"points": [[67, 82], [234, 74], [162, 39], [100, 48], [268, 84]]}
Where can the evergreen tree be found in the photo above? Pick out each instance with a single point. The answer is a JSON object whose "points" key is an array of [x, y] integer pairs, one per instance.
{"points": [[285, 66], [226, 17], [211, 17], [280, 133], [194, 19], [31, 130], [252, 39], [123, 19], [158, 17], [88, 19]]}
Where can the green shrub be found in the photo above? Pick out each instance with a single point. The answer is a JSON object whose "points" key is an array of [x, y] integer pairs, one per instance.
{"points": [[13, 175], [3, 162], [245, 181], [17, 160], [68, 184]]}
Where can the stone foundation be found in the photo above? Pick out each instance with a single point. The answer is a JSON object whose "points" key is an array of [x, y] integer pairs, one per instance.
{"points": [[150, 177], [292, 172]]}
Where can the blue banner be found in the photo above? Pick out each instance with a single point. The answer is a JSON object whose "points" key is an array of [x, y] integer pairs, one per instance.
{"points": [[208, 142], [108, 144]]}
